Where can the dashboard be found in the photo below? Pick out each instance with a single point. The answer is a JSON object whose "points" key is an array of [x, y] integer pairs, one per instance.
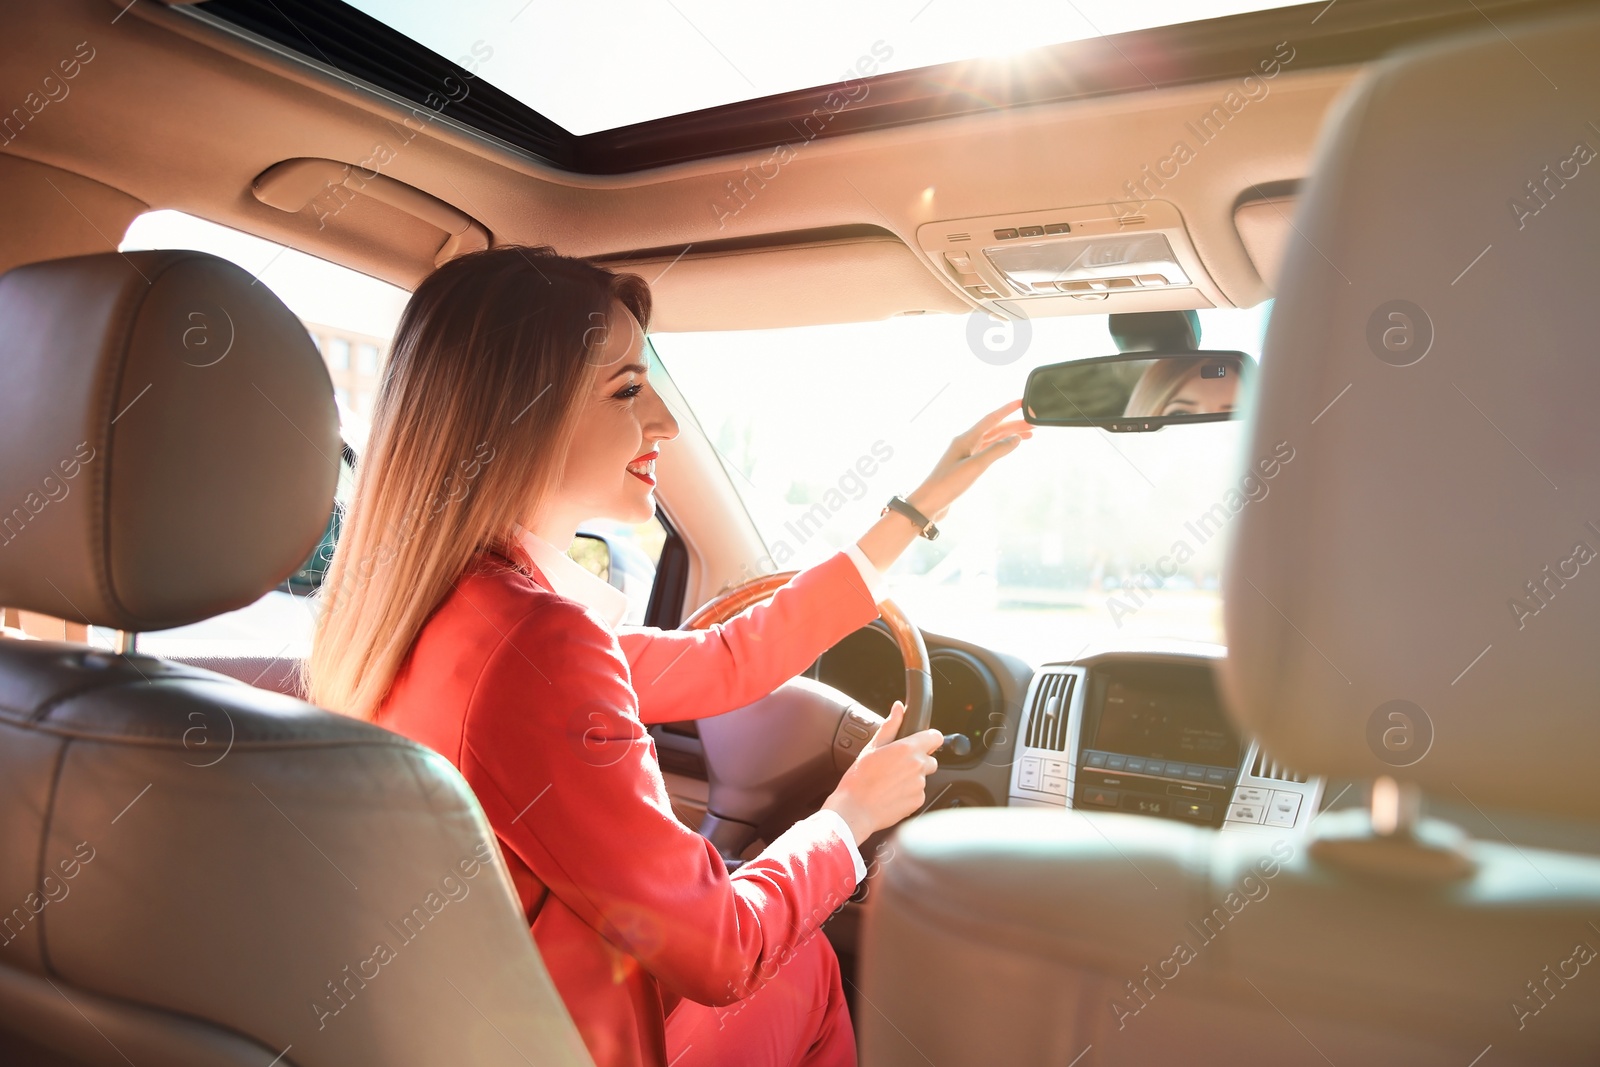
{"points": [[1135, 731]]}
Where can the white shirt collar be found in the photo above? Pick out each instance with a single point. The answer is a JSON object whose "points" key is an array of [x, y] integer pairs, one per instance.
{"points": [[572, 580]]}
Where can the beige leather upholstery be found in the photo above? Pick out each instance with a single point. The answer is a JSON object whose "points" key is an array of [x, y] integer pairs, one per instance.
{"points": [[198, 871], [1024, 937], [1428, 496], [170, 439], [1432, 495]]}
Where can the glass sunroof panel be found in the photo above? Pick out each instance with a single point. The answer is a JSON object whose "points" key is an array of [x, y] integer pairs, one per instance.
{"points": [[596, 66]]}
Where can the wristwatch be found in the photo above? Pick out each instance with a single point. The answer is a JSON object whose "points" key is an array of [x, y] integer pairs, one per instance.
{"points": [[903, 506]]}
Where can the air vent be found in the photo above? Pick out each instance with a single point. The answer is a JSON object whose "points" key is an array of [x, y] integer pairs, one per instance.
{"points": [[956, 238], [1047, 723], [1265, 767]]}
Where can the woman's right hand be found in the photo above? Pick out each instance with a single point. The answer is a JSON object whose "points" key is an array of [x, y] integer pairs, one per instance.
{"points": [[887, 781]]}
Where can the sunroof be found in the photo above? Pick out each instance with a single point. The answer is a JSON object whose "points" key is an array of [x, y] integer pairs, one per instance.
{"points": [[591, 67]]}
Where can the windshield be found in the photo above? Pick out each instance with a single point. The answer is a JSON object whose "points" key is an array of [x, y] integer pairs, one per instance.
{"points": [[1080, 537]]}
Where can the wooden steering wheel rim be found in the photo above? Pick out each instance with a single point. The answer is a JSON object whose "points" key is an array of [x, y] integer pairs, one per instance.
{"points": [[907, 638]]}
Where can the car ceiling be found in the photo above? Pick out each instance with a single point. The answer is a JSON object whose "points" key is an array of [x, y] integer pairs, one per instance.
{"points": [[176, 112]]}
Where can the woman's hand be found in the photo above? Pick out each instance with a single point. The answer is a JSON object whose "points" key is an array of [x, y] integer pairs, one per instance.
{"points": [[886, 783], [969, 455]]}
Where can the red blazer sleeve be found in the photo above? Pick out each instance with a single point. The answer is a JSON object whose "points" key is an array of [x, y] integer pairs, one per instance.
{"points": [[690, 674], [554, 749]]}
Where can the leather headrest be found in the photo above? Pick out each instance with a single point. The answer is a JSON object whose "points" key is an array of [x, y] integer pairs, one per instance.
{"points": [[1419, 596], [169, 439]]}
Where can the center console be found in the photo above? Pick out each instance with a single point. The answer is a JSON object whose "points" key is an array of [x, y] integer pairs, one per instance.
{"points": [[1158, 743], [1145, 733]]}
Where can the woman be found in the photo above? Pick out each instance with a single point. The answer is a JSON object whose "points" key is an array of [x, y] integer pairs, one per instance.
{"points": [[1178, 387], [514, 406]]}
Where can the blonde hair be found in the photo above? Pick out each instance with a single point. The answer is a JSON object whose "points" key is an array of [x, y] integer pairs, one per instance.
{"points": [[472, 425]]}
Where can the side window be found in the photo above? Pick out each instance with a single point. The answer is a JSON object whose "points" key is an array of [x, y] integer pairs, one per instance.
{"points": [[347, 314], [624, 554]]}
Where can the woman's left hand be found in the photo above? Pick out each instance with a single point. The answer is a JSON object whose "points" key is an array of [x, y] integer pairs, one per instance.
{"points": [[969, 455]]}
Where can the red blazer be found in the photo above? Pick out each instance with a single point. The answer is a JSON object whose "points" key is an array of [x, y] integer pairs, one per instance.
{"points": [[541, 707]]}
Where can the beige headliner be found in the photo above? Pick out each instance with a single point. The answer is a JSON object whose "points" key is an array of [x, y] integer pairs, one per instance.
{"points": [[175, 113], [134, 121]]}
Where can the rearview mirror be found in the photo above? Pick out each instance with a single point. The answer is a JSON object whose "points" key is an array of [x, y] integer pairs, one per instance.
{"points": [[1137, 391]]}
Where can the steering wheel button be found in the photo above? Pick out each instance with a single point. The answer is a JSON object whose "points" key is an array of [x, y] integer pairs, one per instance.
{"points": [[846, 742], [857, 728]]}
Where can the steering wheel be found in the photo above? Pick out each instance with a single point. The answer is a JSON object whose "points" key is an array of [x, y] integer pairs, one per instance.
{"points": [[770, 761]]}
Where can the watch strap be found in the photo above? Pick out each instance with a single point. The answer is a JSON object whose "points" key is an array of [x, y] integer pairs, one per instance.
{"points": [[904, 507]]}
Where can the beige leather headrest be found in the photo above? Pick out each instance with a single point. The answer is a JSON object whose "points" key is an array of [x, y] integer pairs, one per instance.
{"points": [[1420, 595], [169, 439]]}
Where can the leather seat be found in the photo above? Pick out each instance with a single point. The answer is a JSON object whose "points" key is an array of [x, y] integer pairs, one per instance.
{"points": [[1430, 360], [199, 871]]}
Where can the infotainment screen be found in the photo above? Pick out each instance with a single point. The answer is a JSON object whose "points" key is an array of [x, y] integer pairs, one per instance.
{"points": [[1165, 716]]}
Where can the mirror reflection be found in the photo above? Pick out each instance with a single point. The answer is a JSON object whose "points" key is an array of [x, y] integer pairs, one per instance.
{"points": [[1156, 389]]}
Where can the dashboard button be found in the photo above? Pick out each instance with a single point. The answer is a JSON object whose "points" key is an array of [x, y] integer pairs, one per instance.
{"points": [[1055, 768], [1058, 786], [1250, 795], [1174, 770], [1218, 775], [1058, 227], [1145, 804], [1007, 234], [1116, 763], [1284, 808], [1245, 812], [1098, 798], [1135, 764], [1028, 773], [1193, 811], [1096, 759], [1194, 773]]}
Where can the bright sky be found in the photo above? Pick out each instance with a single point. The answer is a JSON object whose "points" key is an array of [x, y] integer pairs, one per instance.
{"points": [[596, 66], [315, 290]]}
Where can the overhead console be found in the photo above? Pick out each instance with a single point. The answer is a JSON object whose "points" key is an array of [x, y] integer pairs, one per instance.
{"points": [[1145, 733], [1070, 261]]}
